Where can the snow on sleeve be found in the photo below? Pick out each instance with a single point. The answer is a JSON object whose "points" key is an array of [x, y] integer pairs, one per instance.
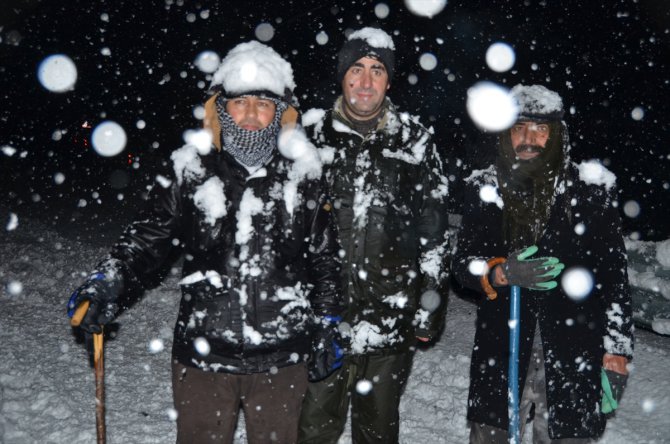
{"points": [[366, 336], [432, 261], [614, 342], [487, 181], [186, 163], [487, 176], [594, 173], [374, 37], [211, 200]]}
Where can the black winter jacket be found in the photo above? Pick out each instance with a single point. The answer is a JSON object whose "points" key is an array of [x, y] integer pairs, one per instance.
{"points": [[389, 193], [575, 332], [260, 259]]}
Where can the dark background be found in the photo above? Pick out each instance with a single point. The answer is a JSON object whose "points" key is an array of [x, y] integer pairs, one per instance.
{"points": [[604, 59]]}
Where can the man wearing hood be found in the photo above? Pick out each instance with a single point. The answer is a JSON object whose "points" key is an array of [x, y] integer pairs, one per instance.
{"points": [[260, 259], [389, 194], [575, 341]]}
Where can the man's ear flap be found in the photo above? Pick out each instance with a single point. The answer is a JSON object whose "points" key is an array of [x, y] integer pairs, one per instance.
{"points": [[289, 118], [211, 121]]}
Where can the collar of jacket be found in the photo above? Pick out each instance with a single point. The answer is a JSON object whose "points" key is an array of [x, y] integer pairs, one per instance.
{"points": [[339, 116]]}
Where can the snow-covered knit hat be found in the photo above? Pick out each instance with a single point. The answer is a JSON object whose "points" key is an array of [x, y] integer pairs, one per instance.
{"points": [[538, 103], [252, 68], [366, 42]]}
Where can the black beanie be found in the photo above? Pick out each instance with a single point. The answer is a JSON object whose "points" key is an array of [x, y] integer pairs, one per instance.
{"points": [[356, 48]]}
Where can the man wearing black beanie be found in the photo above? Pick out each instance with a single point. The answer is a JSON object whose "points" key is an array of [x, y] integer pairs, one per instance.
{"points": [[389, 194]]}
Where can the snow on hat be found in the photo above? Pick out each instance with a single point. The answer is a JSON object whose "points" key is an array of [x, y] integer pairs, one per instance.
{"points": [[366, 42], [256, 69], [538, 103]]}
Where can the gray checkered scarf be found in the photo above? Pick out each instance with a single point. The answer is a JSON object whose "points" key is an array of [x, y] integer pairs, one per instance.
{"points": [[250, 148]]}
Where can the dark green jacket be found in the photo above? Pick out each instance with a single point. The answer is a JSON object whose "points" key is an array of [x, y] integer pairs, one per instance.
{"points": [[389, 193]]}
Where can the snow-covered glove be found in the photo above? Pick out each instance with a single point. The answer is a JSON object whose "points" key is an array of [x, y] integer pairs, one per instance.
{"points": [[535, 274], [613, 385], [101, 294], [327, 353]]}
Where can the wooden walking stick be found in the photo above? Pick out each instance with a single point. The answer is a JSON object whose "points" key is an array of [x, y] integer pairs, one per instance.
{"points": [[99, 367]]}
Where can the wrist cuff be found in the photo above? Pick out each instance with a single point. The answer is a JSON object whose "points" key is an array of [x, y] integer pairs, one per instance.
{"points": [[484, 280]]}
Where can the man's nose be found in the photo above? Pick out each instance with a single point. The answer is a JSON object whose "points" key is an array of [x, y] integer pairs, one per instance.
{"points": [[251, 111], [529, 136], [366, 81]]}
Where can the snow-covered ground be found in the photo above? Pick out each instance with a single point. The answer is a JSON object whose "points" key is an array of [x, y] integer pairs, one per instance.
{"points": [[47, 387]]}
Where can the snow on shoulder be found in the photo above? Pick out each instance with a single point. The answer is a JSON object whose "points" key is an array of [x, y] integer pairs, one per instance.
{"points": [[593, 172], [537, 100], [413, 132], [374, 37], [313, 116], [252, 66], [186, 163]]}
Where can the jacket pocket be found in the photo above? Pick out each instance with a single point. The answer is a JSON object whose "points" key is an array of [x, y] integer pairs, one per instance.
{"points": [[214, 311]]}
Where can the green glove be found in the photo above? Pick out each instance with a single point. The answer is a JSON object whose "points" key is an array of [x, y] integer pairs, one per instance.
{"points": [[609, 403], [535, 274], [613, 385]]}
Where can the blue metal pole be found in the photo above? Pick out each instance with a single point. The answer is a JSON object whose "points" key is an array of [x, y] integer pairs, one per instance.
{"points": [[513, 367]]}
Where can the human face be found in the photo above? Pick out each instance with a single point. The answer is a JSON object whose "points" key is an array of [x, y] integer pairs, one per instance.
{"points": [[250, 112], [529, 139], [364, 88]]}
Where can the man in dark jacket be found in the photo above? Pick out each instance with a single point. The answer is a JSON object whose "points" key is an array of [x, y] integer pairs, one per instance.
{"points": [[389, 192], [260, 259], [576, 335]]}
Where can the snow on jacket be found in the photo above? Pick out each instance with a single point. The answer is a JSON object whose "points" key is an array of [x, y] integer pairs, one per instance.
{"points": [[389, 197], [260, 258], [575, 333]]}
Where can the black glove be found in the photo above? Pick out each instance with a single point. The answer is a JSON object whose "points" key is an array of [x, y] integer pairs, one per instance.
{"points": [[327, 354], [101, 294], [613, 385], [535, 274]]}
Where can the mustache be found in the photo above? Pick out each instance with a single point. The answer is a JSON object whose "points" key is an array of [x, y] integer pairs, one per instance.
{"points": [[528, 148]]}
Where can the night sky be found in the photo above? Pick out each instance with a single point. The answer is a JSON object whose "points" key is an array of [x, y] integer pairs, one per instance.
{"points": [[135, 61]]}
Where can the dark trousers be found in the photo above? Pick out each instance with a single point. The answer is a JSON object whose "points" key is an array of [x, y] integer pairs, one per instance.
{"points": [[374, 414], [534, 395], [208, 403]]}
